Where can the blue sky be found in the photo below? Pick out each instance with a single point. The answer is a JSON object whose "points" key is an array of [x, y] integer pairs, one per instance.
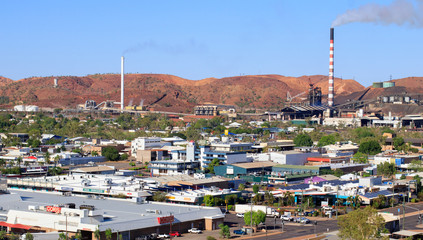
{"points": [[200, 39]]}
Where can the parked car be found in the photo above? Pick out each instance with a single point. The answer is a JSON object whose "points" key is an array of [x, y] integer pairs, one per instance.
{"points": [[194, 230], [302, 220], [175, 234], [163, 236], [154, 236], [287, 218], [239, 232], [240, 215], [143, 237]]}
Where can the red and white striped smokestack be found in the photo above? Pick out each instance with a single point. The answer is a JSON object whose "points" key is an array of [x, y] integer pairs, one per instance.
{"points": [[331, 75]]}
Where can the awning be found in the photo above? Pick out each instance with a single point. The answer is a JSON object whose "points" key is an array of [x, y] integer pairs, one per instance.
{"points": [[5, 224], [406, 233]]}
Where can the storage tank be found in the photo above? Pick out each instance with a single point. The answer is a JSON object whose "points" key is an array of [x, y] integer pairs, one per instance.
{"points": [[406, 99], [392, 99], [388, 84], [377, 84]]}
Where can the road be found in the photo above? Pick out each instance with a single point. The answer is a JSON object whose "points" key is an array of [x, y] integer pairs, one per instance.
{"points": [[295, 230], [290, 229]]}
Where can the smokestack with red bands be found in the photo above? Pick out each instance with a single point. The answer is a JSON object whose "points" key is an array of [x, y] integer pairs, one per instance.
{"points": [[331, 75]]}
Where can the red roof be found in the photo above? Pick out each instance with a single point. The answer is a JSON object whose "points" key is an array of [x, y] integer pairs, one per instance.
{"points": [[5, 224], [32, 157]]}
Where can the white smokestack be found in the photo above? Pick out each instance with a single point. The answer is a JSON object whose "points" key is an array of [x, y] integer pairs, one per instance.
{"points": [[400, 12], [122, 85]]}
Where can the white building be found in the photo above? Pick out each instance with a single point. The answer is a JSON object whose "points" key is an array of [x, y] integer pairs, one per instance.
{"points": [[288, 157], [144, 143]]}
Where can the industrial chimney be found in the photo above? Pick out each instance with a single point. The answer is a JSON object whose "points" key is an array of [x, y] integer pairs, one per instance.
{"points": [[331, 75], [122, 85]]}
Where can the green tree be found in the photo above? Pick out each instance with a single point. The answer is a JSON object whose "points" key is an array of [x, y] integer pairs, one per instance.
{"points": [[62, 236], [47, 157], [215, 162], [370, 147], [303, 140], [361, 224], [380, 202], [258, 217], [338, 172], [108, 234], [208, 200], [416, 165], [360, 157], [78, 236], [289, 199], [326, 140], [269, 198], [29, 236], [241, 187], [210, 238], [110, 153], [159, 196], [97, 233], [399, 143], [3, 235], [256, 188], [224, 231], [124, 156], [386, 169]]}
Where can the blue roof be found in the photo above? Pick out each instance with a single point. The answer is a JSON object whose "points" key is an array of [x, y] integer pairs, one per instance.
{"points": [[371, 195]]}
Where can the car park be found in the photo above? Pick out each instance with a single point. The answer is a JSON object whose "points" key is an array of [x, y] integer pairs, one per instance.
{"points": [[194, 230], [239, 232], [240, 215]]}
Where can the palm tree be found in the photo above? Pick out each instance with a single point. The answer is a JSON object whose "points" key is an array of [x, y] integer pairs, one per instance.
{"points": [[108, 234], [56, 160], [47, 157], [269, 198], [62, 236], [97, 233], [290, 199], [29, 236]]}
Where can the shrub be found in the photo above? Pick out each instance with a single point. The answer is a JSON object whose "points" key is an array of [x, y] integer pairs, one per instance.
{"points": [[230, 207], [210, 238]]}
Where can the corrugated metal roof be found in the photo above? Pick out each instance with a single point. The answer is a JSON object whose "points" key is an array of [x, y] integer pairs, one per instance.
{"points": [[304, 108], [126, 215]]}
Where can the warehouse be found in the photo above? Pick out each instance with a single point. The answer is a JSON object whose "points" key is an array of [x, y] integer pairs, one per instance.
{"points": [[50, 212]]}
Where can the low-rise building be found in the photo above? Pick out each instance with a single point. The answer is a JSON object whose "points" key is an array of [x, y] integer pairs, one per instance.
{"points": [[196, 197], [47, 212], [173, 167]]}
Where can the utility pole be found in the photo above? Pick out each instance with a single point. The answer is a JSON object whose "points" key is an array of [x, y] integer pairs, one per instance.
{"points": [[251, 215], [336, 203], [403, 212]]}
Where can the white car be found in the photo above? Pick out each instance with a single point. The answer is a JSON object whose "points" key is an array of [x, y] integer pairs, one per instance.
{"points": [[194, 230], [164, 235], [240, 215], [287, 218]]}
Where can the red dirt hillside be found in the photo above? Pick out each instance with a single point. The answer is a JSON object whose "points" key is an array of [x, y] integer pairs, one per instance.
{"points": [[254, 91]]}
